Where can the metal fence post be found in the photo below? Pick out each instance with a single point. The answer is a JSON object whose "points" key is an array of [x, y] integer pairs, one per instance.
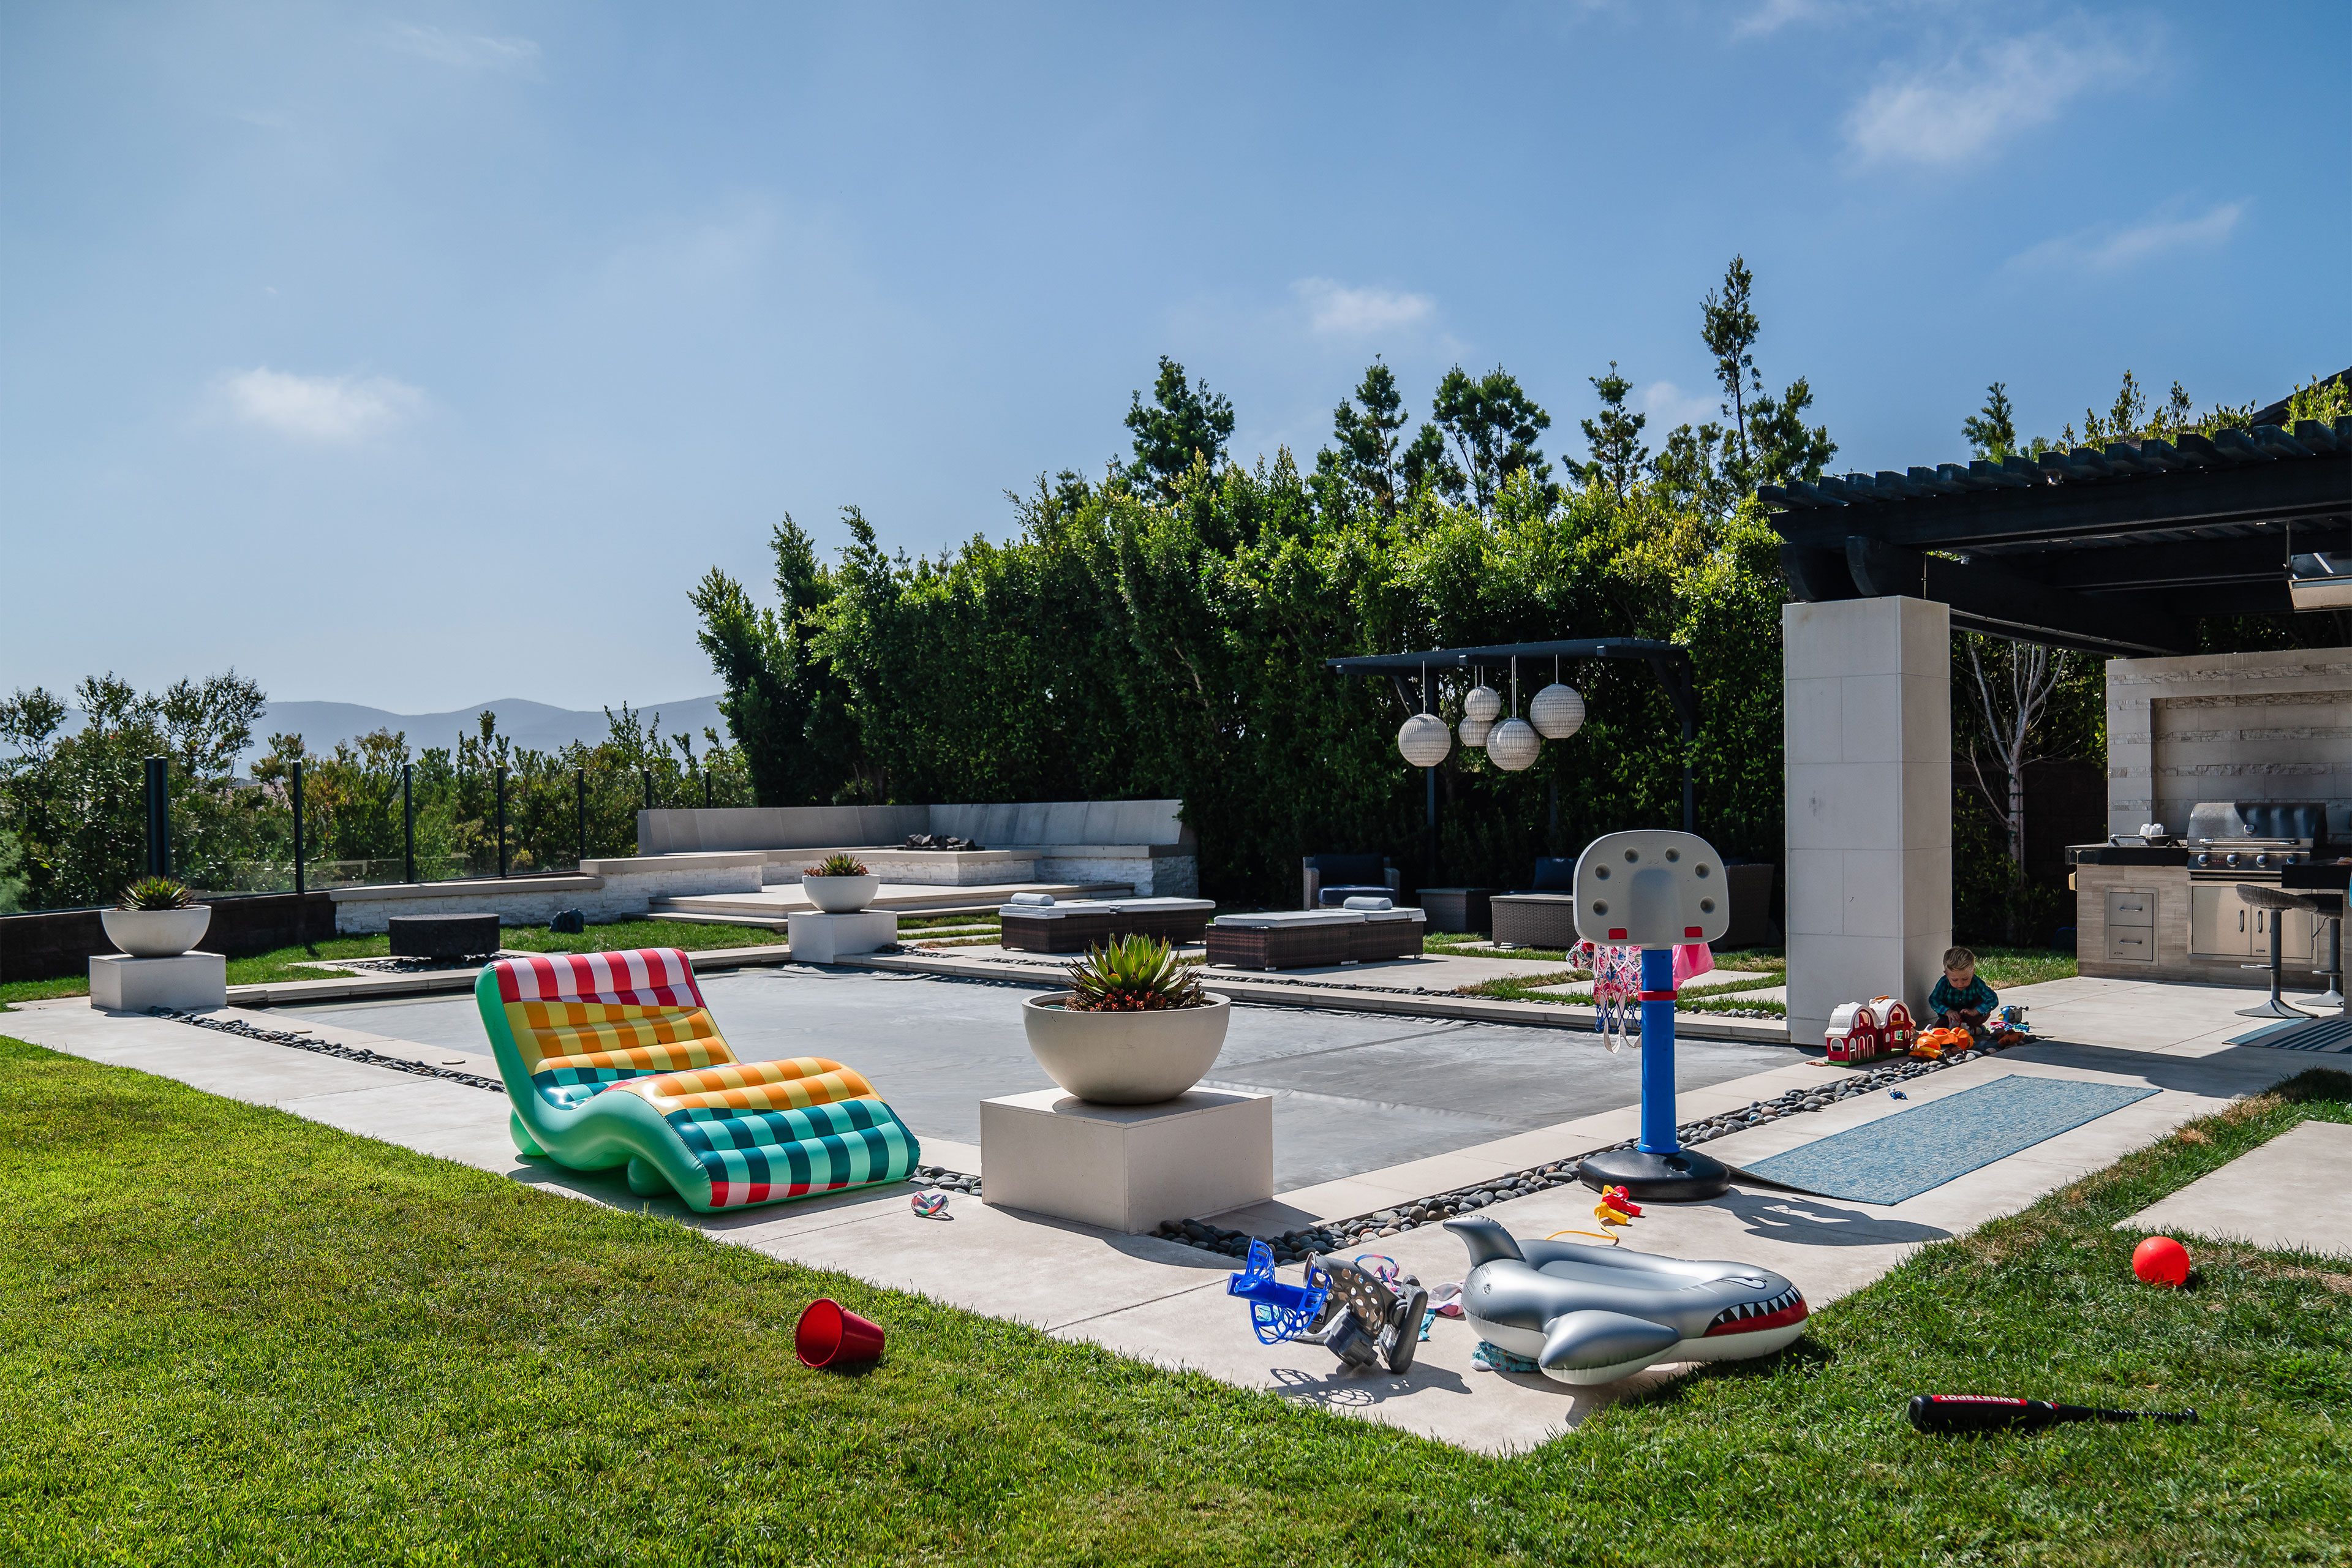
{"points": [[407, 823], [706, 789], [159, 819], [299, 886], [503, 819], [648, 774], [581, 778]]}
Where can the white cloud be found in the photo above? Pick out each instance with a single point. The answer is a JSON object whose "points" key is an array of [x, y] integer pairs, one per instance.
{"points": [[1774, 15], [2110, 249], [466, 51], [326, 408], [1949, 112], [1669, 405], [1336, 310]]}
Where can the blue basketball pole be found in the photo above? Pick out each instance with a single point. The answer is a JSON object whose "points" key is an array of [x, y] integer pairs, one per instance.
{"points": [[1658, 1051]]}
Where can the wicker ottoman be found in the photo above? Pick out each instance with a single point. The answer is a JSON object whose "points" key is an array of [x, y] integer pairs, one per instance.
{"points": [[1387, 933], [1083, 923], [1535, 919]]}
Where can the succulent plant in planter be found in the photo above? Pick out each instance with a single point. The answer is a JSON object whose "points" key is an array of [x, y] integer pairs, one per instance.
{"points": [[156, 893], [1134, 1028], [839, 884], [156, 917], [1133, 974]]}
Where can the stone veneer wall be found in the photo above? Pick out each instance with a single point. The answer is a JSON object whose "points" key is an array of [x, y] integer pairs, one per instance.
{"points": [[2227, 726], [612, 896]]}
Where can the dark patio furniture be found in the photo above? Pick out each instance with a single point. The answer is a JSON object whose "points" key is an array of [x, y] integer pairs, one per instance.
{"points": [[449, 937], [1300, 940], [1534, 920], [1456, 909], [1387, 933], [1330, 881], [1076, 926]]}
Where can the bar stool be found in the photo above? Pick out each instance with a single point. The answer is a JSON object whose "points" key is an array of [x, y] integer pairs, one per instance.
{"points": [[2262, 896]]}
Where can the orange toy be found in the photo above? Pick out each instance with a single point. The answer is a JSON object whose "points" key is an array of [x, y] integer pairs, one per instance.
{"points": [[1932, 1043]]}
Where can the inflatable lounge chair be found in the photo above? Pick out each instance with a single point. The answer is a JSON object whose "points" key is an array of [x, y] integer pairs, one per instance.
{"points": [[612, 1059]]}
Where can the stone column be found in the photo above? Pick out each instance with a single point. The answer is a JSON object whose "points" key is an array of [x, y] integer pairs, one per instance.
{"points": [[1868, 726]]}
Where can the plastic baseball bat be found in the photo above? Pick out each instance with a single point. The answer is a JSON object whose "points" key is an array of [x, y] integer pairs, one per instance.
{"points": [[1949, 1412]]}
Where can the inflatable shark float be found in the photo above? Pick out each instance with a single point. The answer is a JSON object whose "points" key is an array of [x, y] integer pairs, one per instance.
{"points": [[1594, 1314]]}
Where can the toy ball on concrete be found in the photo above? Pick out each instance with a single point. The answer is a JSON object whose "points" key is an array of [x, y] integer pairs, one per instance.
{"points": [[1512, 745], [1424, 740], [2161, 1261], [1482, 704], [1557, 711]]}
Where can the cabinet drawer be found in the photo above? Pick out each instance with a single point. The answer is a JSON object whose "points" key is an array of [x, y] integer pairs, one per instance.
{"points": [[2131, 944], [2130, 907]]}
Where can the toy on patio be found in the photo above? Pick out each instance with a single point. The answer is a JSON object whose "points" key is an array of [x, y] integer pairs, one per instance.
{"points": [[1656, 890], [1277, 1311], [2008, 1024], [1933, 1044], [930, 1206], [1590, 1314], [1866, 1031], [613, 1059], [830, 1335], [2162, 1262], [1359, 1314], [1615, 1208]]}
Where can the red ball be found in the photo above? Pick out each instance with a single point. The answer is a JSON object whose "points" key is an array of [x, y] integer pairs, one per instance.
{"points": [[2161, 1260]]}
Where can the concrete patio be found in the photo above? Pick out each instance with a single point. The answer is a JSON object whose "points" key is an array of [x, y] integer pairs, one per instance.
{"points": [[1165, 1302]]}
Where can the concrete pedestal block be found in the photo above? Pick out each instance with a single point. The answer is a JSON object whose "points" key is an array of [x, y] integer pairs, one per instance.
{"points": [[191, 981], [826, 939], [1127, 1167]]}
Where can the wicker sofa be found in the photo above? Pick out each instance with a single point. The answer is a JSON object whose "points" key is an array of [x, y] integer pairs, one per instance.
{"points": [[1314, 939], [1081, 923]]}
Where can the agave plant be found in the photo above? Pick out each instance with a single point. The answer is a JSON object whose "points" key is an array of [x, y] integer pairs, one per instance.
{"points": [[156, 893], [1133, 974], [836, 866]]}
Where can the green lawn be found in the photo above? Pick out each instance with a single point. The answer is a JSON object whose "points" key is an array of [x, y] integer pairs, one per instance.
{"points": [[227, 1335], [287, 963]]}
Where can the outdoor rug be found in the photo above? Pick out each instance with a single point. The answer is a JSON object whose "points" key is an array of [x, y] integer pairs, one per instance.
{"points": [[1903, 1155], [2291, 1034]]}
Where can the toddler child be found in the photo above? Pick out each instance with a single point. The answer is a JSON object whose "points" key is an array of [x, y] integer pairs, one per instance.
{"points": [[1960, 1000]]}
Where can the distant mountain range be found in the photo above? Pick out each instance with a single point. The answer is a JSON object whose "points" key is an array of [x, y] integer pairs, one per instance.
{"points": [[536, 725]]}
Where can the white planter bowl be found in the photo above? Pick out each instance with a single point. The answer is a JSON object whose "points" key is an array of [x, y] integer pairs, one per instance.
{"points": [[1125, 1058], [157, 934], [841, 895]]}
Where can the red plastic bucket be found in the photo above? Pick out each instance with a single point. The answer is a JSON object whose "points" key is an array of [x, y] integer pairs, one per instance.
{"points": [[830, 1334]]}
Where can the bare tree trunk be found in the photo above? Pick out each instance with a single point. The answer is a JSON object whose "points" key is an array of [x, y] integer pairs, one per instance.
{"points": [[2011, 710]]}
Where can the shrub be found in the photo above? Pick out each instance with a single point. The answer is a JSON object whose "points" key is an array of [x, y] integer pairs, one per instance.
{"points": [[836, 866]]}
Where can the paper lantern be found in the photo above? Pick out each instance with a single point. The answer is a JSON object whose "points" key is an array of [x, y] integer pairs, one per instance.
{"points": [[1512, 745], [1474, 732], [1424, 740], [1482, 703], [1557, 711]]}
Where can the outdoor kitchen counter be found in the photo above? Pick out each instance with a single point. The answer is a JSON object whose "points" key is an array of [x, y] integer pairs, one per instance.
{"points": [[2134, 922]]}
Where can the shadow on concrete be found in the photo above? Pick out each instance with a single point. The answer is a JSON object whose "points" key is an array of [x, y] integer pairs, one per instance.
{"points": [[1818, 1222], [1339, 1389]]}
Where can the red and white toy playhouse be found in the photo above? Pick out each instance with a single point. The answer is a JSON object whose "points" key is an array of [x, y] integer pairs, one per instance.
{"points": [[1864, 1031]]}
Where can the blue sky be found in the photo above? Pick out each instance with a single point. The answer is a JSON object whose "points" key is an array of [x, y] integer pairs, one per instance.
{"points": [[412, 355]]}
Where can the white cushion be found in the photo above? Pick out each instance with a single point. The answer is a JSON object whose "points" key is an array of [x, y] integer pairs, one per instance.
{"points": [[1369, 904], [1413, 915], [1031, 898], [1283, 920], [1166, 906]]}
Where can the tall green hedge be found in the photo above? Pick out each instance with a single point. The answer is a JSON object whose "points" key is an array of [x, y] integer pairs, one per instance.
{"points": [[1122, 646]]}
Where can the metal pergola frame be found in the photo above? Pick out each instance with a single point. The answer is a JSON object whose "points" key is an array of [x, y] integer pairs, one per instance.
{"points": [[1670, 662]]}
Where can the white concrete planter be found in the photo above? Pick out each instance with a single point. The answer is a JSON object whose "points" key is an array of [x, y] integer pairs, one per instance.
{"points": [[1125, 1058], [157, 934], [841, 895]]}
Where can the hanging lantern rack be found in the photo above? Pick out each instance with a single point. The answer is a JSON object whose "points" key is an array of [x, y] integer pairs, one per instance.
{"points": [[1670, 662]]}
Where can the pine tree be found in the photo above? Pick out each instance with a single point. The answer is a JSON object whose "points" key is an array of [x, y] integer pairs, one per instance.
{"points": [[1991, 431], [1618, 454], [1181, 425], [1370, 455]]}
